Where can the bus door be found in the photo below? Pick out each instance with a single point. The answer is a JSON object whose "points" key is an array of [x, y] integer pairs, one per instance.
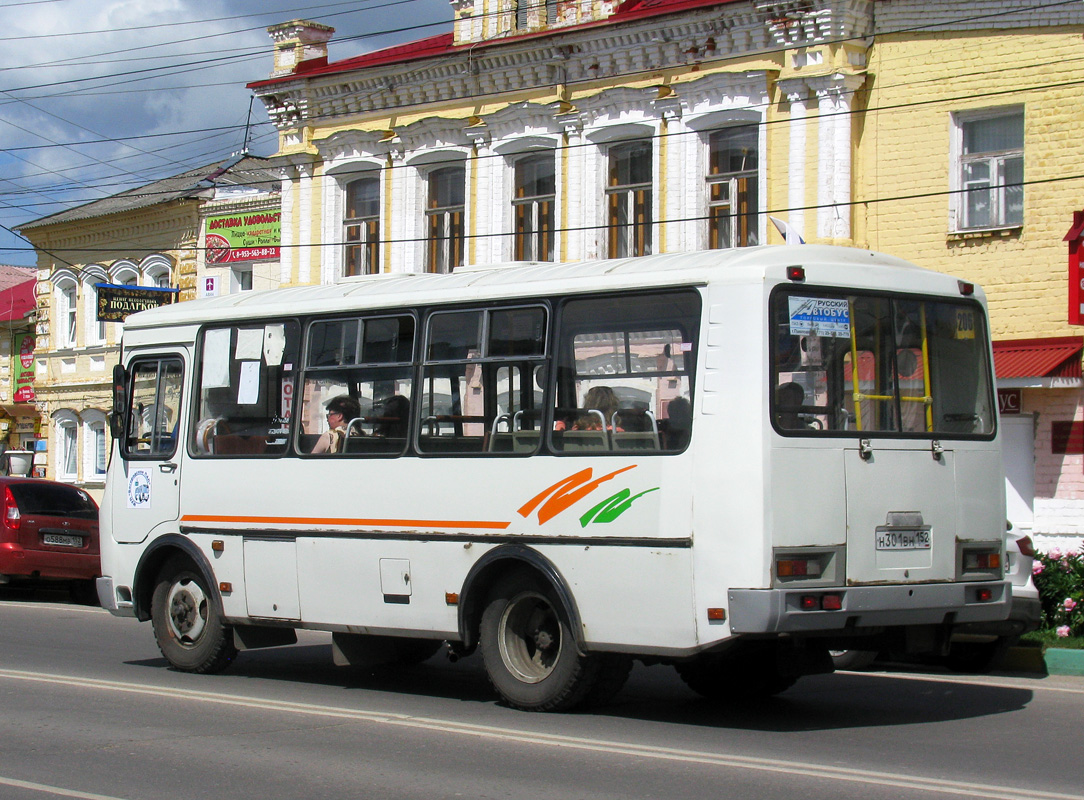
{"points": [[901, 514], [145, 483]]}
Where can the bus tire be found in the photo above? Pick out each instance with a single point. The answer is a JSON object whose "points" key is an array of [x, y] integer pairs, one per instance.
{"points": [[529, 650], [187, 620]]}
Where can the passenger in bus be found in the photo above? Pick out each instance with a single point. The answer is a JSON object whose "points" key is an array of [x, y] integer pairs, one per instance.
{"points": [[601, 399], [393, 418], [679, 423], [789, 398], [341, 411]]}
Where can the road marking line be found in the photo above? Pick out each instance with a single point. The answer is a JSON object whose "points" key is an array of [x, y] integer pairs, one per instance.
{"points": [[55, 790], [804, 769], [52, 607], [966, 681]]}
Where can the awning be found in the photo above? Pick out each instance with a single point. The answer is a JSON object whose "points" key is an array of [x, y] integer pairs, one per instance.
{"points": [[19, 409], [1051, 363]]}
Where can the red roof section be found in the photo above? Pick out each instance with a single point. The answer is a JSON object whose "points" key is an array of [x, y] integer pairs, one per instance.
{"points": [[442, 44], [1038, 358]]}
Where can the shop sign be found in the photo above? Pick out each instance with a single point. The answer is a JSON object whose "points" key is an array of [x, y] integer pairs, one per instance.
{"points": [[233, 238], [1009, 401], [24, 369], [115, 303]]}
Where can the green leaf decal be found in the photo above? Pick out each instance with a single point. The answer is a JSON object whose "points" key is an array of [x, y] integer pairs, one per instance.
{"points": [[612, 507]]}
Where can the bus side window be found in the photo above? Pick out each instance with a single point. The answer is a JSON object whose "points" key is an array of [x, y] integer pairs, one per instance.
{"points": [[629, 361], [482, 381], [367, 361], [155, 410], [247, 381]]}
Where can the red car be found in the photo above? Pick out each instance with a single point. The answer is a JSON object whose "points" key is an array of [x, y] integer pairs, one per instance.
{"points": [[49, 530]]}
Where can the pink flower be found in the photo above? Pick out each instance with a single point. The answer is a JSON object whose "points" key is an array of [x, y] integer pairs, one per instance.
{"points": [[1063, 631], [1037, 568], [1054, 554], [1069, 604]]}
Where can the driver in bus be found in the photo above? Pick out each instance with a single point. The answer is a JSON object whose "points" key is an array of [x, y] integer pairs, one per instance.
{"points": [[341, 411], [789, 398]]}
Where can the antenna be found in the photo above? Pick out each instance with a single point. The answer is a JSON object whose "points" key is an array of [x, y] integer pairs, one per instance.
{"points": [[248, 124]]}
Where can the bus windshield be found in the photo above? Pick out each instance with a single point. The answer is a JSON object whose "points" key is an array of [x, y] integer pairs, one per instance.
{"points": [[862, 363]]}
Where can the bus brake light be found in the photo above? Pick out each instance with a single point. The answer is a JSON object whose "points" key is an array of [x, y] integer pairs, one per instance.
{"points": [[798, 567]]}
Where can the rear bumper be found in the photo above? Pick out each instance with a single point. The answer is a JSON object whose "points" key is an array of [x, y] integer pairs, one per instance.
{"points": [[780, 611], [1025, 615], [18, 561]]}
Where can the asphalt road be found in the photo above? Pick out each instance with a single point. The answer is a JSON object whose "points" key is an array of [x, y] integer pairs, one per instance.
{"points": [[89, 709]]}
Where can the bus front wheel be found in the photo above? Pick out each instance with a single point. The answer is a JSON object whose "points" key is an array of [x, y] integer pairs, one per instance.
{"points": [[529, 650], [187, 621]]}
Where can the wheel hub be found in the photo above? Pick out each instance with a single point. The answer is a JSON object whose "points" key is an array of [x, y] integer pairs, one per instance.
{"points": [[187, 606]]}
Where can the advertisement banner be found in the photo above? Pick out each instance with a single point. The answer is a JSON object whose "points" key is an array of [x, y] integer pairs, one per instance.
{"points": [[24, 368], [232, 238], [115, 303]]}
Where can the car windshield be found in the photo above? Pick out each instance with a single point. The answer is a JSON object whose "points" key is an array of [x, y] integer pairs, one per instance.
{"points": [[53, 500]]}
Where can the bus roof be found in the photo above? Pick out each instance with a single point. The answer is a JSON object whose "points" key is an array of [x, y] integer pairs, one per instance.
{"points": [[751, 264]]}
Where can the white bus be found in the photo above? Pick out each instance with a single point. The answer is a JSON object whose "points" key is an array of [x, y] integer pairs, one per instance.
{"points": [[729, 461]]}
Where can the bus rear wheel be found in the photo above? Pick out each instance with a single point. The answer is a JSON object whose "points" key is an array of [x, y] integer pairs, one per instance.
{"points": [[187, 620], [529, 650]]}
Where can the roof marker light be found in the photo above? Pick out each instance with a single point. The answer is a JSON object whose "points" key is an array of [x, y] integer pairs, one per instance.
{"points": [[966, 289], [795, 273]]}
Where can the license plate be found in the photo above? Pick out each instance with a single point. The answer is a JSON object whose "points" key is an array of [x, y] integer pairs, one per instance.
{"points": [[903, 540], [62, 540]]}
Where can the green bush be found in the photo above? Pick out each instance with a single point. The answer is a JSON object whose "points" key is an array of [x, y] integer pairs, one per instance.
{"points": [[1059, 577]]}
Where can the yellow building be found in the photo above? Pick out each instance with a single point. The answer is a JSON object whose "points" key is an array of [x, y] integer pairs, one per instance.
{"points": [[147, 237]]}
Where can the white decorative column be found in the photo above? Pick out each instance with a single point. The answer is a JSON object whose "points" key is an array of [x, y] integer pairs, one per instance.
{"points": [[796, 162], [305, 223], [835, 100]]}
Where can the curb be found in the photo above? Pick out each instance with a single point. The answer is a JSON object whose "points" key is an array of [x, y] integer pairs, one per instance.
{"points": [[1061, 661]]}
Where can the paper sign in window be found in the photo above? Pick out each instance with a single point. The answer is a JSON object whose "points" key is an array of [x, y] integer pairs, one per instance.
{"points": [[248, 388]]}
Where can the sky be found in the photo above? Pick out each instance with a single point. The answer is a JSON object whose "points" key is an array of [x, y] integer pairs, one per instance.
{"points": [[100, 96]]}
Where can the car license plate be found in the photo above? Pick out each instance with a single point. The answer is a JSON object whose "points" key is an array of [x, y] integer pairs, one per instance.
{"points": [[62, 539], [903, 540]]}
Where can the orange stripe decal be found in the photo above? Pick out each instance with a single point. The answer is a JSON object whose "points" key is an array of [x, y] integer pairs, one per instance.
{"points": [[357, 523]]}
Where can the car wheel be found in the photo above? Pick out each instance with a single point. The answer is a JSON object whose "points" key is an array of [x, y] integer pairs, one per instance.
{"points": [[187, 620], [528, 648]]}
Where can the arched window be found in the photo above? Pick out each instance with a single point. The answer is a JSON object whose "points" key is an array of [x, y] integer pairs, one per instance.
{"points": [[66, 445], [628, 199], [157, 271], [94, 330], [95, 453], [732, 187], [361, 225], [67, 309], [444, 215], [532, 208]]}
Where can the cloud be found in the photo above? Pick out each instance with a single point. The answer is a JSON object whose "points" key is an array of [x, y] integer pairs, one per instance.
{"points": [[83, 71]]}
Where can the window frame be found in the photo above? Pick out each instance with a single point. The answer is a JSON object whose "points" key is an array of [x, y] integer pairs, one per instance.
{"points": [[997, 189], [367, 240], [536, 241], [739, 217], [631, 238], [445, 225]]}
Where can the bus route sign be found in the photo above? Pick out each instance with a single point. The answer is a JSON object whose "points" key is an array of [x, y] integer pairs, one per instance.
{"points": [[820, 316]]}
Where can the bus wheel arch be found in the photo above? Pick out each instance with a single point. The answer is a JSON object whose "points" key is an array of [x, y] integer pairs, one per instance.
{"points": [[150, 565], [491, 568]]}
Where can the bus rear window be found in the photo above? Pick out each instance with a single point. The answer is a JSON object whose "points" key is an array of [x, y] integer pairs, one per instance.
{"points": [[878, 364]]}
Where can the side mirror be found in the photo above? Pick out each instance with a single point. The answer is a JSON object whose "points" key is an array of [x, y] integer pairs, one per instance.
{"points": [[120, 401]]}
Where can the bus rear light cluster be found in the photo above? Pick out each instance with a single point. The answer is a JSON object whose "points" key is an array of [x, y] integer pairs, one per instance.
{"points": [[821, 602], [982, 560], [798, 567]]}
